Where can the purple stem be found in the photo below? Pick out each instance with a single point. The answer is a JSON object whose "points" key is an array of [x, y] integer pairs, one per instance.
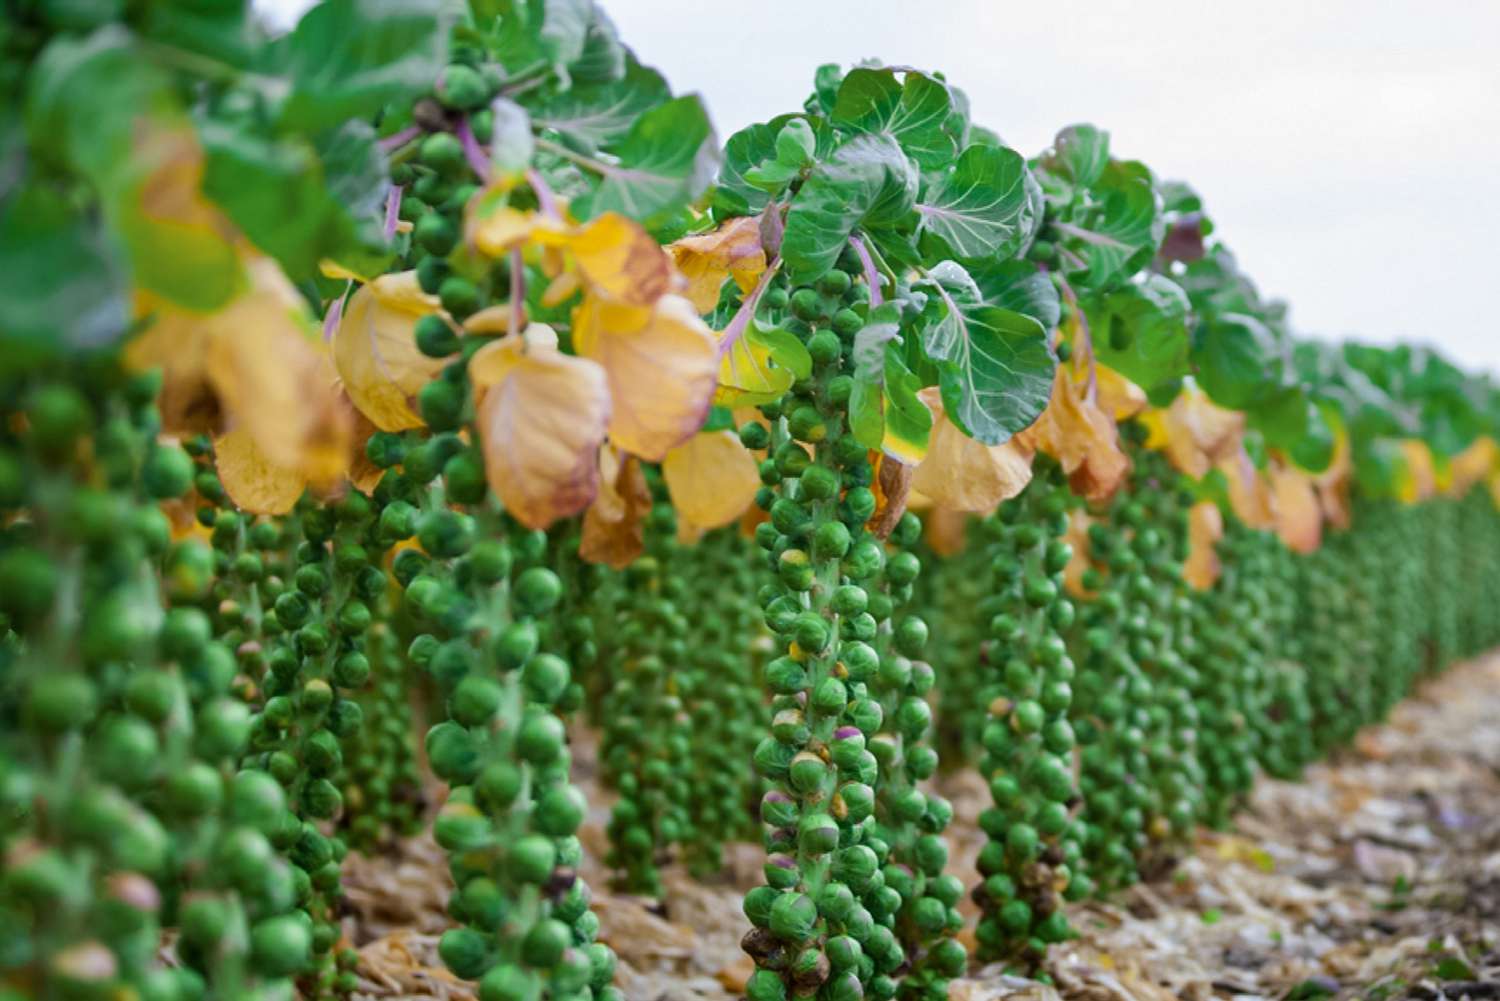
{"points": [[544, 196], [392, 210], [335, 313], [398, 139], [479, 160], [872, 277], [517, 289]]}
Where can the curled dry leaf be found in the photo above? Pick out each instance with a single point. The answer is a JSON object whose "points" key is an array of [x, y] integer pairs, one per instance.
{"points": [[1077, 432], [1249, 490], [1299, 517], [255, 364], [661, 363], [1194, 432], [1205, 528], [613, 529], [252, 481], [1117, 395], [961, 474], [712, 478], [892, 487], [375, 350], [619, 260], [705, 260], [541, 423]]}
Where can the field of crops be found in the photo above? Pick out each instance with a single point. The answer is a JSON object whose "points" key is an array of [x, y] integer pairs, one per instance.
{"points": [[435, 466]]}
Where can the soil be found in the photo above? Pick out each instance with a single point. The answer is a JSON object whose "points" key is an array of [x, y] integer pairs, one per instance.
{"points": [[1377, 876]]}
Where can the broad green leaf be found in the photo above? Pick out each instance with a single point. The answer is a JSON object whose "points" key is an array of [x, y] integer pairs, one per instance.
{"points": [[995, 366], [868, 180], [663, 163], [760, 366], [1281, 415], [866, 400], [348, 58], [744, 151], [1234, 358], [293, 204], [529, 35], [1140, 331], [908, 422], [586, 117], [603, 59], [826, 80], [1019, 286], [63, 285], [913, 111], [979, 209], [1119, 236], [220, 30], [1313, 451], [1080, 153]]}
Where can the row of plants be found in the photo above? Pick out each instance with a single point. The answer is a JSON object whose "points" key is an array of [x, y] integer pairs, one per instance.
{"points": [[383, 399]]}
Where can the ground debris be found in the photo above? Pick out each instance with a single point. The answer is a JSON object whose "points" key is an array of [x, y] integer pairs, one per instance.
{"points": [[1377, 876]]}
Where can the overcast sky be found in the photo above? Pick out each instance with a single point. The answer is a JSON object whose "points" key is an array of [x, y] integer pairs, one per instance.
{"points": [[1348, 150]]}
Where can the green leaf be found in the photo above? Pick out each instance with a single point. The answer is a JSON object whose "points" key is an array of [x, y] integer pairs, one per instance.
{"points": [[587, 117], [218, 30], [981, 208], [995, 365], [1140, 331], [1120, 235], [1080, 153], [913, 111], [665, 162], [868, 180], [1235, 359], [1281, 415], [348, 58], [866, 400], [1313, 451], [277, 191], [533, 34], [603, 59], [1020, 286], [908, 422], [63, 285], [744, 151]]}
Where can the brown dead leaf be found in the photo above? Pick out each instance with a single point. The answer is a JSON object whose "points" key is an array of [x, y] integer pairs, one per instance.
{"points": [[706, 259], [1081, 435], [1205, 528], [962, 474], [613, 526], [892, 486]]}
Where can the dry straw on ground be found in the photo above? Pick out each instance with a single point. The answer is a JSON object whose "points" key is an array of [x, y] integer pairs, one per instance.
{"points": [[1377, 876]]}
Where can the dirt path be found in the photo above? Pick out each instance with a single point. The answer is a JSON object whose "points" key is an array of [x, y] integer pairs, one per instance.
{"points": [[1377, 876]]}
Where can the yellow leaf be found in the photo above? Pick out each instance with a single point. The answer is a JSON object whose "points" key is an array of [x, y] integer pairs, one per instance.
{"points": [[177, 342], [1299, 519], [252, 481], [746, 376], [375, 350], [1420, 482], [620, 261], [1249, 491], [1118, 396], [1205, 529], [494, 230], [712, 478], [541, 425], [1194, 432], [363, 473], [613, 526], [1333, 483], [1082, 437], [661, 363], [707, 259], [269, 370], [1472, 465], [961, 474]]}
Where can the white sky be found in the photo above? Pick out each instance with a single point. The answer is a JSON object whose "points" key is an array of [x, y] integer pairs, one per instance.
{"points": [[1346, 149]]}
